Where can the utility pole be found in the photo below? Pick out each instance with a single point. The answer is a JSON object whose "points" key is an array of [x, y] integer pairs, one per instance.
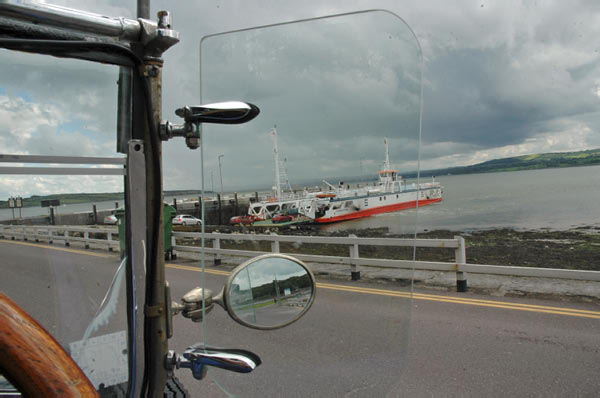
{"points": [[361, 168], [276, 156], [220, 173]]}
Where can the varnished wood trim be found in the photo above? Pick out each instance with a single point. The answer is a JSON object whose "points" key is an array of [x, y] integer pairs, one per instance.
{"points": [[34, 361]]}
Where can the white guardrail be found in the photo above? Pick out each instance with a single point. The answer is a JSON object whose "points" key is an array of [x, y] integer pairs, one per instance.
{"points": [[103, 236], [69, 234]]}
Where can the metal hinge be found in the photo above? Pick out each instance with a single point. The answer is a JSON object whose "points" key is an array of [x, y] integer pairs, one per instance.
{"points": [[154, 311]]}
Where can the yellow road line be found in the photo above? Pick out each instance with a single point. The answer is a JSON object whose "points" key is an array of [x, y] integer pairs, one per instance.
{"points": [[62, 249], [198, 269], [475, 302], [463, 300], [366, 290], [430, 297]]}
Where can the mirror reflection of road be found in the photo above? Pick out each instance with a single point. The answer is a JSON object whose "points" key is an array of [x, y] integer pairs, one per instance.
{"points": [[271, 312], [354, 339]]}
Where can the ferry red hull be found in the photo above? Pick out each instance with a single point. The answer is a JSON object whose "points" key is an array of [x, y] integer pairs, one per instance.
{"points": [[378, 210]]}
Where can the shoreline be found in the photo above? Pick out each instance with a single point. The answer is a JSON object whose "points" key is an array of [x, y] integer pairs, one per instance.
{"points": [[576, 248]]}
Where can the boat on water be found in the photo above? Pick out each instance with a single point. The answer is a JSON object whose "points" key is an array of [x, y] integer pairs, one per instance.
{"points": [[389, 193]]}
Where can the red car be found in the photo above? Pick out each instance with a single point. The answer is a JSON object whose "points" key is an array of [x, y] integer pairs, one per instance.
{"points": [[243, 220], [281, 218]]}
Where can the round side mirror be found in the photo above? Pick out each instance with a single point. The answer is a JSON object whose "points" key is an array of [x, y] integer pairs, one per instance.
{"points": [[269, 292]]}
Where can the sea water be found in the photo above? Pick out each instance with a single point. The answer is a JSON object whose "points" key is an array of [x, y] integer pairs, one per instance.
{"points": [[555, 199]]}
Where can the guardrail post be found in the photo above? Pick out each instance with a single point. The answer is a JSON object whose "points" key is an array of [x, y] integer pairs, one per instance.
{"points": [[461, 258], [235, 209], [36, 233], [24, 233], [217, 246], [220, 209], [173, 243], [274, 244], [67, 237], [50, 236], [355, 273], [86, 237], [109, 239]]}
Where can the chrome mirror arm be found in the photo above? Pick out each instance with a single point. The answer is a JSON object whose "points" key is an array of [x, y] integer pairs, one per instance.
{"points": [[191, 304]]}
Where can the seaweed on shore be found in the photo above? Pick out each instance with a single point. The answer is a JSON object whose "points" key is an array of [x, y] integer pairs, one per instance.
{"points": [[577, 248]]}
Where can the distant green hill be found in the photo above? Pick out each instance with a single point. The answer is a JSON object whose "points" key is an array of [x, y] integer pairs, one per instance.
{"points": [[74, 198], [526, 162]]}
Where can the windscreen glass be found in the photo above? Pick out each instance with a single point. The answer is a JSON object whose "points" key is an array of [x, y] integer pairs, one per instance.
{"points": [[332, 154], [61, 185]]}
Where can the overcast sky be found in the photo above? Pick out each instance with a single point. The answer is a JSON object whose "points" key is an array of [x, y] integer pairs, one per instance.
{"points": [[500, 78]]}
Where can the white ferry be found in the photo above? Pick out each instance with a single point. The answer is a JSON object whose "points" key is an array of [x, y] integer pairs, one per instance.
{"points": [[390, 193]]}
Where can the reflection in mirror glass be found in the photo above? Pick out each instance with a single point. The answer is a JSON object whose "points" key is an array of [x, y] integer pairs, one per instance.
{"points": [[270, 292]]}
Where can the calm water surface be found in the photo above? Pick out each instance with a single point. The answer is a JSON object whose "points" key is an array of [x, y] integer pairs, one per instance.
{"points": [[556, 199], [7, 214]]}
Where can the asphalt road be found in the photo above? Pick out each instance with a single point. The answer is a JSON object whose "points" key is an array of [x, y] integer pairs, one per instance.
{"points": [[359, 339]]}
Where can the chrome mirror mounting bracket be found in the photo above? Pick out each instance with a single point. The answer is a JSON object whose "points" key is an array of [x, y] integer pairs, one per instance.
{"points": [[232, 112], [191, 304], [191, 132]]}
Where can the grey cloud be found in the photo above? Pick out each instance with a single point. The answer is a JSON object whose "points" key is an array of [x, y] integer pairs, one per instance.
{"points": [[494, 76], [82, 93], [476, 97], [334, 93]]}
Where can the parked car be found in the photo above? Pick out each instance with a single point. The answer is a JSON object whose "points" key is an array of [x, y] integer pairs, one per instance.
{"points": [[277, 218], [184, 219], [243, 220], [111, 219]]}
